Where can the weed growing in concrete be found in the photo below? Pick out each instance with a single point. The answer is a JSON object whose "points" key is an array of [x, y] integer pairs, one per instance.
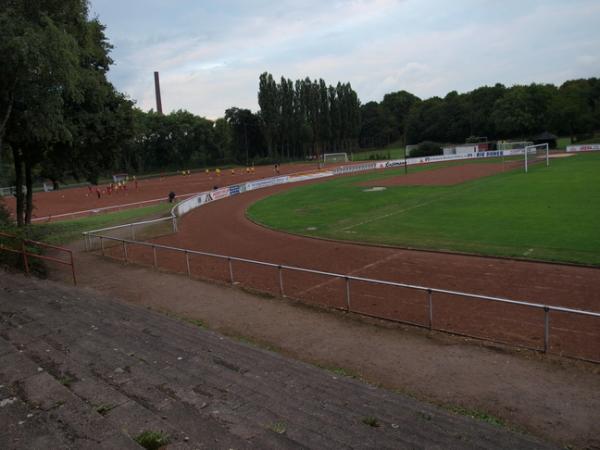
{"points": [[152, 440]]}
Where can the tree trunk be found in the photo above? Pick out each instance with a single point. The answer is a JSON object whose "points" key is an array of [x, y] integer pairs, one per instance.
{"points": [[29, 194], [4, 121], [18, 185]]}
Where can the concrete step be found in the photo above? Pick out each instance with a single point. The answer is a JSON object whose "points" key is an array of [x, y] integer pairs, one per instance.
{"points": [[111, 366]]}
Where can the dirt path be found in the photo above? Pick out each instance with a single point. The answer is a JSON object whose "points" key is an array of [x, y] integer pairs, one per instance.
{"points": [[550, 397]]}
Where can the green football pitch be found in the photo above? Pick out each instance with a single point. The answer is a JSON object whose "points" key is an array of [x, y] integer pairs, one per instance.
{"points": [[551, 213]]}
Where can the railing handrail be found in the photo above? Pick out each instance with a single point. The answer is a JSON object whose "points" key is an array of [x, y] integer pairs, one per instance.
{"points": [[355, 278], [23, 251], [126, 225]]}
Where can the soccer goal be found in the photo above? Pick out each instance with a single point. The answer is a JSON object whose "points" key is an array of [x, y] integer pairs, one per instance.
{"points": [[538, 153], [334, 157], [117, 177]]}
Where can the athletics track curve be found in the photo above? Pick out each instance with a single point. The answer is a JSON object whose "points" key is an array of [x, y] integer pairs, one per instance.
{"points": [[222, 227]]}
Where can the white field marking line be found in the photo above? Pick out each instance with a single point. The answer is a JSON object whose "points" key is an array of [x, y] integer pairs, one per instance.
{"points": [[387, 257], [353, 272], [394, 213], [438, 198], [107, 208]]}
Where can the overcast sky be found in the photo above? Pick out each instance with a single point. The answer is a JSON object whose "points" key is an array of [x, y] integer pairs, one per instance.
{"points": [[210, 53]]}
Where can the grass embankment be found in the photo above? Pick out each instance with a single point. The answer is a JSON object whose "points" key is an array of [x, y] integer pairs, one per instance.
{"points": [[548, 214], [66, 231]]}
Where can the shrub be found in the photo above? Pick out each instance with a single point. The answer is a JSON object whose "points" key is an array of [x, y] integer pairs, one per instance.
{"points": [[427, 148], [11, 260]]}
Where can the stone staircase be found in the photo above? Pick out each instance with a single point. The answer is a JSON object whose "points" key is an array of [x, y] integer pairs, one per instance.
{"points": [[79, 370]]}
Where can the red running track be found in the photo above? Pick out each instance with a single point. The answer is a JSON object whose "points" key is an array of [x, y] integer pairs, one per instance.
{"points": [[222, 227]]}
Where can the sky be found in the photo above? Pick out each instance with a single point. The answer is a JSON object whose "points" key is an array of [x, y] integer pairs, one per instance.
{"points": [[210, 53]]}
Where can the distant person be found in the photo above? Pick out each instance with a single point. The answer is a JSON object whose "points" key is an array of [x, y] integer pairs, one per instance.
{"points": [[171, 197]]}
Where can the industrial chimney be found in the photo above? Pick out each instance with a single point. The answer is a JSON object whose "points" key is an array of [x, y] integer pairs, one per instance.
{"points": [[157, 90]]}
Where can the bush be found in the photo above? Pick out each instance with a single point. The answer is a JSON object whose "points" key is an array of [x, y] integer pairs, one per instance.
{"points": [[427, 148], [377, 156], [11, 260], [5, 219]]}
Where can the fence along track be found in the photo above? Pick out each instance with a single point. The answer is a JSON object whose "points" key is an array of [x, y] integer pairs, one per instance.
{"points": [[98, 240], [107, 244]]}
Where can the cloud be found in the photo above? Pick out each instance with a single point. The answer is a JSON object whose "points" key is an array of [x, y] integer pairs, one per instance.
{"points": [[211, 53]]}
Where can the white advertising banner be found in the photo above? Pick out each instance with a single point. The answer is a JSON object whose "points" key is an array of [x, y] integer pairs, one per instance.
{"points": [[584, 148]]}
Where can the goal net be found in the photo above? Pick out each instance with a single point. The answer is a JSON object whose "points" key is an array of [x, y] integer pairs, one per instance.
{"points": [[120, 177], [539, 153], [329, 158]]}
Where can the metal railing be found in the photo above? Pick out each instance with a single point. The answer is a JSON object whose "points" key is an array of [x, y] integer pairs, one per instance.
{"points": [[348, 280], [130, 228], [22, 250]]}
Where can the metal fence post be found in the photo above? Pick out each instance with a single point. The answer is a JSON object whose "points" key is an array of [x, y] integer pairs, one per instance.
{"points": [[281, 292], [154, 255], [546, 328], [348, 293], [73, 269], [230, 270], [25, 262], [125, 250], [187, 263], [101, 245], [430, 297]]}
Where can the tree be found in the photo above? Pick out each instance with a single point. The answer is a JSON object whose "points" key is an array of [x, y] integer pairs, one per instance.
{"points": [[248, 140], [39, 72], [59, 113], [398, 105]]}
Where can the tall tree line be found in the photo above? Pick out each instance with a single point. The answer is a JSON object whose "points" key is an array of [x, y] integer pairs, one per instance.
{"points": [[495, 112], [307, 117]]}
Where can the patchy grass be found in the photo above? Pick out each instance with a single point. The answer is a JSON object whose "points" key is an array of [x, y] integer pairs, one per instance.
{"points": [[340, 371], [371, 421], [278, 427], [152, 440], [67, 380], [197, 322], [66, 231], [479, 415], [548, 214], [104, 409]]}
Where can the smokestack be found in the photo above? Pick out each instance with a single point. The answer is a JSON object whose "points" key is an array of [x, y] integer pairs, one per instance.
{"points": [[157, 90]]}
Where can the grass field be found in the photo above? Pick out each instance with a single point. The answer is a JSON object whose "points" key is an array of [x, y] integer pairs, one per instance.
{"points": [[70, 230], [549, 214]]}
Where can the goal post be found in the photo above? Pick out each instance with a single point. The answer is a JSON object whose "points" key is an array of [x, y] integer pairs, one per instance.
{"points": [[334, 157], [537, 153]]}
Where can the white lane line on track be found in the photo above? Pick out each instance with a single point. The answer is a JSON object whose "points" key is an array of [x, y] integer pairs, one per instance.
{"points": [[353, 272], [107, 208]]}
